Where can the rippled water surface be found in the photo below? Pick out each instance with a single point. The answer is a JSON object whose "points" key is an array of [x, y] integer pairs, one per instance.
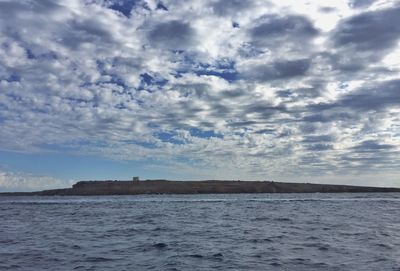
{"points": [[201, 232]]}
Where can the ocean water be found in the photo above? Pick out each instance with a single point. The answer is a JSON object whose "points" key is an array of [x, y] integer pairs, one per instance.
{"points": [[201, 232]]}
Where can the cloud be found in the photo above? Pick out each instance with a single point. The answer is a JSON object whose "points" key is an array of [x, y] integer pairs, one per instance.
{"points": [[361, 3], [378, 97], [17, 181], [277, 70], [272, 26], [233, 7], [375, 30], [241, 88], [295, 31], [373, 146], [366, 37], [172, 35]]}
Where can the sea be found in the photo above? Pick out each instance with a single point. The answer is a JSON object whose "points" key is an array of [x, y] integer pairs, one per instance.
{"points": [[201, 232]]}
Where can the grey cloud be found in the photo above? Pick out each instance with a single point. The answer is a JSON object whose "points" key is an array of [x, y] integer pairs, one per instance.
{"points": [[378, 97], [233, 93], [319, 147], [278, 70], [199, 90], [370, 155], [369, 160], [91, 27], [327, 116], [368, 98], [373, 146], [327, 9], [274, 26], [347, 62], [13, 8], [265, 131], [262, 107], [322, 142], [310, 160], [173, 35], [219, 110], [308, 128], [232, 7], [249, 49], [242, 123], [35, 16], [318, 138], [299, 93], [294, 30], [361, 40], [361, 3], [78, 32], [370, 31]]}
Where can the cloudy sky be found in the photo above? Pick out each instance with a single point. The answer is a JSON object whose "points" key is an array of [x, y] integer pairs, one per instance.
{"points": [[302, 91]]}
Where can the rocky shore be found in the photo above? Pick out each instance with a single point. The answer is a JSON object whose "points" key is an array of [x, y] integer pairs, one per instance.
{"points": [[198, 187]]}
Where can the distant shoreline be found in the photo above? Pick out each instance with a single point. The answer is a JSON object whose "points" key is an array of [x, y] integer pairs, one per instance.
{"points": [[97, 188]]}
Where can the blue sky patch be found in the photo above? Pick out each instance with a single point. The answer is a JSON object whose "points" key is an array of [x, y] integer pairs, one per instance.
{"points": [[223, 69], [204, 134], [124, 6], [170, 137]]}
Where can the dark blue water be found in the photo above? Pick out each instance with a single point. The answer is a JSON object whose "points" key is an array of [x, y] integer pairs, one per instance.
{"points": [[201, 232]]}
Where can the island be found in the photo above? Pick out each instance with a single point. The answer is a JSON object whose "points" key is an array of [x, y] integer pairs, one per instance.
{"points": [[136, 187]]}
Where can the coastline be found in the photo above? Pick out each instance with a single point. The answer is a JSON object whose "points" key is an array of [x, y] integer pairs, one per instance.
{"points": [[96, 188]]}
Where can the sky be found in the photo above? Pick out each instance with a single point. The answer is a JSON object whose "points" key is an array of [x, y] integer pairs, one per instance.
{"points": [[289, 90]]}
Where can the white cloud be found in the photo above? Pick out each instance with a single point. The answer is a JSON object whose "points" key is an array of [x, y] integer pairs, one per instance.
{"points": [[17, 181], [265, 77]]}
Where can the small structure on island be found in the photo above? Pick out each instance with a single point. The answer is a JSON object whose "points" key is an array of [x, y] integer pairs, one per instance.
{"points": [[135, 179]]}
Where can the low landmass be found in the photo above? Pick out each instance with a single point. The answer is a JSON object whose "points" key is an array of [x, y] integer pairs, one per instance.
{"points": [[86, 188]]}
